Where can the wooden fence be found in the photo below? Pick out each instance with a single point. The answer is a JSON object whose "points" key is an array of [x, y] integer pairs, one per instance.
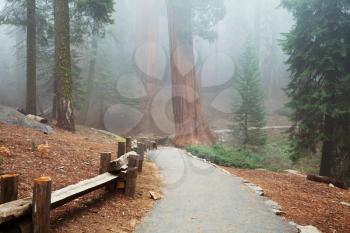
{"points": [[32, 214]]}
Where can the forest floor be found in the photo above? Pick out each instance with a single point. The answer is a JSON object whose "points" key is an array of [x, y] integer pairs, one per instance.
{"points": [[304, 202], [70, 159]]}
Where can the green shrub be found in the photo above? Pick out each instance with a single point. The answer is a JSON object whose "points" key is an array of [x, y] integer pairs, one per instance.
{"points": [[221, 155]]}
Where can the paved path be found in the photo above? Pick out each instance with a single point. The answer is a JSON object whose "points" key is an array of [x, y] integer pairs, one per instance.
{"points": [[200, 198]]}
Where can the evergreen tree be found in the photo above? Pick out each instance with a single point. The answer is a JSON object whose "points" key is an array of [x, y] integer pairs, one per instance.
{"points": [[250, 117], [319, 59], [23, 13], [187, 19]]}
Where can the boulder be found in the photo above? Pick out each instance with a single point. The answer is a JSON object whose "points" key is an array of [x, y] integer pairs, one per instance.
{"points": [[11, 116]]}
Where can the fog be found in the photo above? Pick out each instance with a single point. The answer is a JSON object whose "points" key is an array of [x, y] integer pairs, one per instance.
{"points": [[133, 57]]}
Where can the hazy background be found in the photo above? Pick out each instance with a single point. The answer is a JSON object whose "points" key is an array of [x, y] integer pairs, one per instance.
{"points": [[134, 58]]}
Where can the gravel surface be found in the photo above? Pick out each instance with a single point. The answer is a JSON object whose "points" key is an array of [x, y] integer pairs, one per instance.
{"points": [[202, 198]]}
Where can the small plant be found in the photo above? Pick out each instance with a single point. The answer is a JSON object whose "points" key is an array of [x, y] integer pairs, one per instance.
{"points": [[34, 146]]}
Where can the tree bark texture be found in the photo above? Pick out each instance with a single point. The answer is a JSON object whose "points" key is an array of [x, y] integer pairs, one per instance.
{"points": [[191, 126], [31, 58], [63, 73]]}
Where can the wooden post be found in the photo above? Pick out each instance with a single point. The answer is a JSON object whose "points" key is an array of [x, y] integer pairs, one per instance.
{"points": [[141, 148], [128, 144], [41, 205], [154, 145], [105, 159], [131, 176], [147, 145], [8, 188], [121, 149]]}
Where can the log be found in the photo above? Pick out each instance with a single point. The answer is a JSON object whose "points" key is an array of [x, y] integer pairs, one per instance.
{"points": [[121, 149], [121, 163], [131, 176], [69, 193], [326, 180], [128, 144], [38, 119], [15, 209], [41, 205], [134, 145], [8, 188]]}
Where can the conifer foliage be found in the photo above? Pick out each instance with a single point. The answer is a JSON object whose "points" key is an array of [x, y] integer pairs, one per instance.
{"points": [[249, 118], [319, 59]]}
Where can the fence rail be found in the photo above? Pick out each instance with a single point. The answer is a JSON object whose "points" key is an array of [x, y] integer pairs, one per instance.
{"points": [[114, 174]]}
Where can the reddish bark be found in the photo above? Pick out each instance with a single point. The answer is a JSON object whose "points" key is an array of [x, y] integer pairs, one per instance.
{"points": [[191, 126]]}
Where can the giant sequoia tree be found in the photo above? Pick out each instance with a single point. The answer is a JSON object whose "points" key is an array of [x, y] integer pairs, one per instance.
{"points": [[187, 19], [319, 58]]}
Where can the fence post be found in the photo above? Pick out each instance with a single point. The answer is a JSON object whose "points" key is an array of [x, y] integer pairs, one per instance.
{"points": [[154, 145], [41, 205], [121, 149], [131, 176], [128, 144], [141, 151], [105, 159], [8, 188]]}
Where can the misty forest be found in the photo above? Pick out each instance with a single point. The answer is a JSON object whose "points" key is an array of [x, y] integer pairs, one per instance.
{"points": [[175, 116]]}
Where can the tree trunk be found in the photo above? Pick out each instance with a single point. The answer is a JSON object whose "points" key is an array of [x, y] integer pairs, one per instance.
{"points": [[63, 73], [91, 78], [31, 58], [328, 148], [191, 126]]}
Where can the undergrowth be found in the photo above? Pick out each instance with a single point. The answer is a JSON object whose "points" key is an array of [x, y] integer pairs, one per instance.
{"points": [[225, 156]]}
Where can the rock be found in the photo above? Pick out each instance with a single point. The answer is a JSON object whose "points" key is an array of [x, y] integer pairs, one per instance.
{"points": [[11, 116], [155, 196], [257, 189], [345, 203], [294, 172], [308, 229], [133, 222], [273, 205], [331, 185], [278, 212], [293, 224]]}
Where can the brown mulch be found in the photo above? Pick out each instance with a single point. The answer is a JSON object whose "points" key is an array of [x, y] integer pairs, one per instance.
{"points": [[305, 202], [73, 158]]}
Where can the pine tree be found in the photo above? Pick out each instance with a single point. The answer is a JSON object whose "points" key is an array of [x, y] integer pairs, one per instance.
{"points": [[249, 118], [319, 61]]}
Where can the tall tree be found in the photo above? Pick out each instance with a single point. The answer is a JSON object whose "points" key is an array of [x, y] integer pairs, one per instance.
{"points": [[23, 13], [185, 20], [319, 59], [63, 73], [31, 58], [250, 117]]}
